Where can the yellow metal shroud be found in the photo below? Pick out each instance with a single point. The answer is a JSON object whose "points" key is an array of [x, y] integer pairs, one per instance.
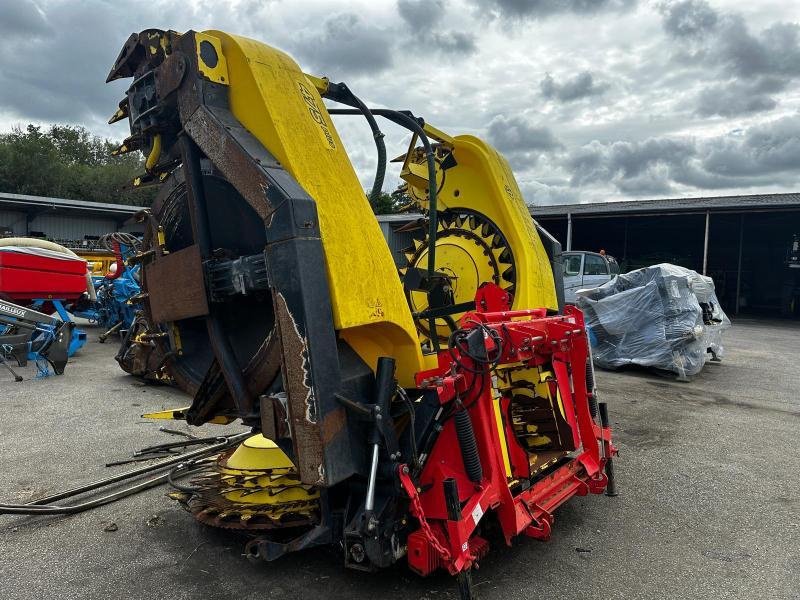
{"points": [[278, 104]]}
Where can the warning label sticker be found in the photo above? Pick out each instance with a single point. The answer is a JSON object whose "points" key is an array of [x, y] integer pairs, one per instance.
{"points": [[477, 513]]}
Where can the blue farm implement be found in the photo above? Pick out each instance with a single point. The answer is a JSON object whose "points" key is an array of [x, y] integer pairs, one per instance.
{"points": [[112, 309]]}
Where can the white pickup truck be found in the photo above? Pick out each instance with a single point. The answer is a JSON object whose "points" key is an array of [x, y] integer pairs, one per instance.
{"points": [[586, 270]]}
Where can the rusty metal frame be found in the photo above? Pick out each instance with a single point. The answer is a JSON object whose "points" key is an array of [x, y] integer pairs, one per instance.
{"points": [[305, 334]]}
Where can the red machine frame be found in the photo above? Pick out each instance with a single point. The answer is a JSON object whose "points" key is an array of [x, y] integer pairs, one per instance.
{"points": [[531, 338], [27, 276]]}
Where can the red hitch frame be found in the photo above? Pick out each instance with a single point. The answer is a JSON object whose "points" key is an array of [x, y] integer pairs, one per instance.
{"points": [[522, 339]]}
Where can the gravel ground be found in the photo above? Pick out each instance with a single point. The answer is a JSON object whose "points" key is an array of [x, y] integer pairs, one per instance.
{"points": [[708, 504]]}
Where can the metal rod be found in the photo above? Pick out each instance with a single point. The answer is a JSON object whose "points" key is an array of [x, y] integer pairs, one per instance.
{"points": [[569, 231], [705, 243], [104, 336], [369, 504], [140, 471], [739, 263], [625, 245], [17, 378], [611, 486]]}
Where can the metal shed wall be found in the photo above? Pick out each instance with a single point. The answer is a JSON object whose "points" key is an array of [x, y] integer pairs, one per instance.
{"points": [[14, 220], [397, 241], [68, 227]]}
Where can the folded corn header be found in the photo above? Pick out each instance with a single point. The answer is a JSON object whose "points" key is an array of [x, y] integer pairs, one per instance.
{"points": [[392, 415]]}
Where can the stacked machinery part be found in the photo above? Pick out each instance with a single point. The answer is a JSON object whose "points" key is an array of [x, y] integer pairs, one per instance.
{"points": [[392, 413]]}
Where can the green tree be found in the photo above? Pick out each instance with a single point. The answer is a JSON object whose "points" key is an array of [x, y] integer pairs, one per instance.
{"points": [[67, 161], [396, 202]]}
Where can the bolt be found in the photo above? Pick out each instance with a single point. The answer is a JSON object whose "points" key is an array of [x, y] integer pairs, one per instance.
{"points": [[405, 470], [357, 553]]}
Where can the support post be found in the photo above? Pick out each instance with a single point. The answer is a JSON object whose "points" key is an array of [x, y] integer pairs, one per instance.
{"points": [[705, 244], [625, 246], [569, 231], [739, 264]]}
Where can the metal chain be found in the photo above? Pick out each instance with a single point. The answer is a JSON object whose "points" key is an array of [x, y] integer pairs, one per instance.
{"points": [[416, 510]]}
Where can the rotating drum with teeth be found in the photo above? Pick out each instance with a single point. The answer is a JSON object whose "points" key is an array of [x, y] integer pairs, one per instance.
{"points": [[471, 250], [253, 487]]}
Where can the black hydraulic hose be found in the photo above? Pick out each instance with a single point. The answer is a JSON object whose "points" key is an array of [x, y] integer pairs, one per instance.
{"points": [[174, 472], [412, 418], [406, 120], [409, 122], [339, 92]]}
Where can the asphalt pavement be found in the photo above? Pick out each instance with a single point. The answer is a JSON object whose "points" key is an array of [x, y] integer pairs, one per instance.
{"points": [[708, 476]]}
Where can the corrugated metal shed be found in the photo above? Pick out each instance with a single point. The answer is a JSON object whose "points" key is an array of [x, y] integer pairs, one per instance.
{"points": [[26, 203], [63, 219], [683, 205]]}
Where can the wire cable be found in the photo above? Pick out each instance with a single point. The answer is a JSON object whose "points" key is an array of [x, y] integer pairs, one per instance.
{"points": [[43, 506]]}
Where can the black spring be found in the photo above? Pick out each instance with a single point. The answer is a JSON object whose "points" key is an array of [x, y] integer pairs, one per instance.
{"points": [[468, 445], [590, 389]]}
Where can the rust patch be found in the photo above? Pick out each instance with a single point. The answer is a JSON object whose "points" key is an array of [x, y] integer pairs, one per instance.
{"points": [[302, 410], [176, 286], [264, 366], [238, 166], [332, 425], [268, 428]]}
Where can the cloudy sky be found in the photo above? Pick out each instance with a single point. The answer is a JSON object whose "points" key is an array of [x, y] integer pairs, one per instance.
{"points": [[589, 99]]}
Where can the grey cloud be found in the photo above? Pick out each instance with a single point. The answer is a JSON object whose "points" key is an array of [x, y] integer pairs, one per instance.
{"points": [[59, 76], [545, 8], [745, 69], [687, 18], [766, 148], [456, 42], [21, 18], [346, 46], [581, 85], [422, 16], [540, 193], [765, 154], [515, 134], [776, 51], [633, 167], [737, 98]]}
